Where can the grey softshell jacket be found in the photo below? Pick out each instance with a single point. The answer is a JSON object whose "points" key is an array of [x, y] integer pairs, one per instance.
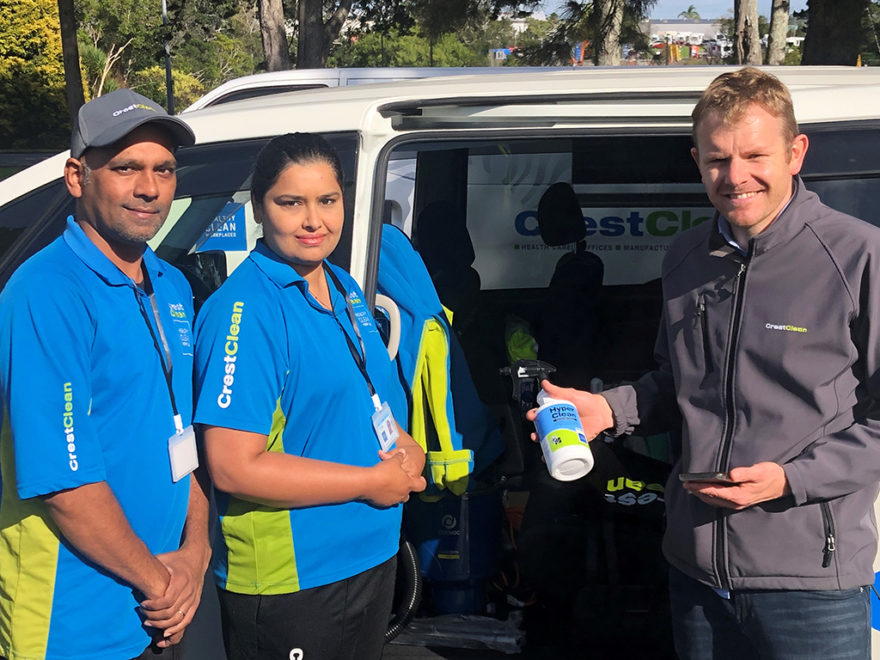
{"points": [[774, 356]]}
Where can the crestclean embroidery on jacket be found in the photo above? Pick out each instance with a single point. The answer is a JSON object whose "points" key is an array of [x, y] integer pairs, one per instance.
{"points": [[785, 327]]}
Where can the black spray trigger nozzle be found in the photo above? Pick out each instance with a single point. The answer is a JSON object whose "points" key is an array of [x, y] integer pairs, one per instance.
{"points": [[526, 377]]}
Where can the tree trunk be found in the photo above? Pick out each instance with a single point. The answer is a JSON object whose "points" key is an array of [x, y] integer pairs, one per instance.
{"points": [[778, 32], [310, 47], [748, 41], [833, 29], [70, 54], [315, 36], [607, 50], [274, 37]]}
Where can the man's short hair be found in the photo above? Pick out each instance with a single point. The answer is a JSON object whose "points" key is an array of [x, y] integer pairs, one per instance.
{"points": [[109, 118], [731, 94]]}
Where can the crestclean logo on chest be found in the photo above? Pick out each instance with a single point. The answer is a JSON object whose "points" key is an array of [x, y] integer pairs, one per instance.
{"points": [[230, 349], [785, 327]]}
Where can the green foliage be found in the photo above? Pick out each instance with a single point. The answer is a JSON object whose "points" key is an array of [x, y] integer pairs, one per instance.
{"points": [[110, 24], [234, 50], [151, 83], [373, 49], [213, 41], [792, 56], [33, 106]]}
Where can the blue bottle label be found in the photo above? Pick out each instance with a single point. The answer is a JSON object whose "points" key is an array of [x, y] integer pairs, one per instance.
{"points": [[560, 425]]}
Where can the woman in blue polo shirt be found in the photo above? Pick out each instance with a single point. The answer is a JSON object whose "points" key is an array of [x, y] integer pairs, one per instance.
{"points": [[295, 392]]}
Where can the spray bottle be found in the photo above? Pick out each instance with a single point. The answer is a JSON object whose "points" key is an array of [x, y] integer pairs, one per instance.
{"points": [[565, 447]]}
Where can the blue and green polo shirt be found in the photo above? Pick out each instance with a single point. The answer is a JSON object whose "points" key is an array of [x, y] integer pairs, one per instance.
{"points": [[271, 360], [85, 400]]}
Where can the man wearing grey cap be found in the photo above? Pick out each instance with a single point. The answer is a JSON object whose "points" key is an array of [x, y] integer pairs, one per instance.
{"points": [[103, 521]]}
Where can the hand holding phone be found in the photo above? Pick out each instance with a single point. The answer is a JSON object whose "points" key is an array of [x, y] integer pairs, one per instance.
{"points": [[707, 477]]}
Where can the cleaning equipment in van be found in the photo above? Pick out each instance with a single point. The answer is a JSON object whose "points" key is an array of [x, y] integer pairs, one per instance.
{"points": [[424, 362], [456, 526]]}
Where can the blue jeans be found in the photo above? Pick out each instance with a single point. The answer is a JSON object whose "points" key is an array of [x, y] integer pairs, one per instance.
{"points": [[772, 625]]}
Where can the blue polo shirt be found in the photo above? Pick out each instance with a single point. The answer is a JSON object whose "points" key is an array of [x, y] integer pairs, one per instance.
{"points": [[271, 360], [85, 400]]}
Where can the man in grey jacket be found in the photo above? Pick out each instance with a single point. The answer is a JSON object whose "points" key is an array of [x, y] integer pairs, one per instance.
{"points": [[770, 368]]}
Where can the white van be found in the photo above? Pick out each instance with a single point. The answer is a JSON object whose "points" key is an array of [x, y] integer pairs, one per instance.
{"points": [[293, 80], [463, 161]]}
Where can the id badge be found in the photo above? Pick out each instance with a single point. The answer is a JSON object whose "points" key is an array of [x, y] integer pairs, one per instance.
{"points": [[183, 454], [385, 427]]}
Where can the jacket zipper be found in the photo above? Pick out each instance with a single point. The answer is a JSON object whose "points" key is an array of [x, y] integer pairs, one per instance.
{"points": [[720, 529], [830, 541], [703, 321]]}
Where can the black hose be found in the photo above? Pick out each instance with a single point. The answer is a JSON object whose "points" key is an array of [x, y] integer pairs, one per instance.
{"points": [[407, 589]]}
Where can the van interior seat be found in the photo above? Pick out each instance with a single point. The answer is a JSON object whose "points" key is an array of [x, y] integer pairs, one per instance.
{"points": [[568, 328], [441, 237], [443, 241]]}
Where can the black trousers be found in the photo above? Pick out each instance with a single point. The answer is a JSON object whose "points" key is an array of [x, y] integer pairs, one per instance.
{"points": [[153, 652], [344, 620]]}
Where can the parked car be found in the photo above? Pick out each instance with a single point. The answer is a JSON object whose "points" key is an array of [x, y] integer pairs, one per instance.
{"points": [[462, 161]]}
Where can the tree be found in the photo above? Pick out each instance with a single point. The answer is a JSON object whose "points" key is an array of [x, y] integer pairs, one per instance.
{"points": [[70, 56], [778, 32], [194, 27], [593, 21], [151, 83], [316, 35], [690, 13], [33, 107], [609, 16], [748, 40], [275, 51], [835, 31]]}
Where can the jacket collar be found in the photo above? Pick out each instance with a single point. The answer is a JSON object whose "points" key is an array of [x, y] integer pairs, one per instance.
{"points": [[784, 228], [91, 256]]}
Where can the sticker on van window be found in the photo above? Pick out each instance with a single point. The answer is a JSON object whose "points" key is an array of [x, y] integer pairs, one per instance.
{"points": [[630, 241], [227, 231]]}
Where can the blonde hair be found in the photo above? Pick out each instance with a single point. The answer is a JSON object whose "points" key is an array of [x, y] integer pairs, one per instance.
{"points": [[731, 94]]}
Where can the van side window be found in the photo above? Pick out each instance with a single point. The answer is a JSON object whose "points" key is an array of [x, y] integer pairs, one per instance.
{"points": [[841, 167], [210, 228], [31, 222]]}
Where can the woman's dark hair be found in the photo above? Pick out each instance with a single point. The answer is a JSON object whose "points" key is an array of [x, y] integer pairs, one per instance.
{"points": [[290, 149]]}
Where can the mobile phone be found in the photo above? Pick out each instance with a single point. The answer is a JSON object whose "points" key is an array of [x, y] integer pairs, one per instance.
{"points": [[708, 477]]}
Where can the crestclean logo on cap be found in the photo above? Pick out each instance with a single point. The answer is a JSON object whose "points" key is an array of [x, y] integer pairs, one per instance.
{"points": [[133, 106]]}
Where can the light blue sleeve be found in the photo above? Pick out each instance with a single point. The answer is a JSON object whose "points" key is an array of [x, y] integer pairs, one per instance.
{"points": [[241, 358], [46, 335]]}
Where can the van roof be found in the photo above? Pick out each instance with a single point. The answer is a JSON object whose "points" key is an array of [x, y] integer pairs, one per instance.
{"points": [[275, 82], [644, 96]]}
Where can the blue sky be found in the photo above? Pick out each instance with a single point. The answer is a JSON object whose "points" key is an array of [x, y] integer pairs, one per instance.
{"points": [[712, 8], [706, 8]]}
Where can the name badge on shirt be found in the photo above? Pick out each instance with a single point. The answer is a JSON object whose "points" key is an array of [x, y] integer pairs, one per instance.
{"points": [[385, 427], [183, 454]]}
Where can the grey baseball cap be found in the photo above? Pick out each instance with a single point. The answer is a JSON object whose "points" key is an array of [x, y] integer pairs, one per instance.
{"points": [[108, 118]]}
